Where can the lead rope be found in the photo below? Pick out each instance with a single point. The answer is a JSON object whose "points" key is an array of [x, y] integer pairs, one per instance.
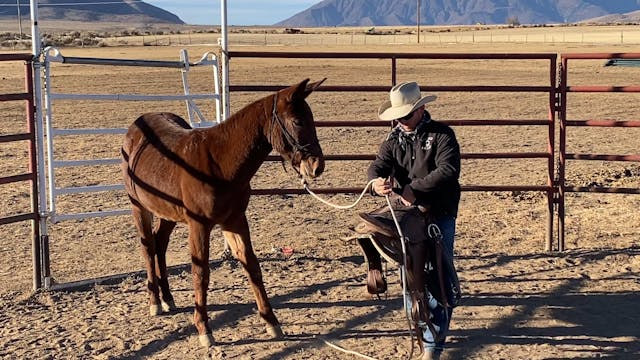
{"points": [[306, 187], [403, 271]]}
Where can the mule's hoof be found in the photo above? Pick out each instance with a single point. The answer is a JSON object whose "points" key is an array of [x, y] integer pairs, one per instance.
{"points": [[155, 310], [168, 306], [206, 340], [274, 331]]}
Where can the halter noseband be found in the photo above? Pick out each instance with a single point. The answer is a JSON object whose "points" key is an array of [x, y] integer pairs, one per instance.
{"points": [[287, 135]]}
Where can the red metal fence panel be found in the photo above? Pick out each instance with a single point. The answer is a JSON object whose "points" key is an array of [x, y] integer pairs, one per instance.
{"points": [[32, 175], [550, 89], [565, 123]]}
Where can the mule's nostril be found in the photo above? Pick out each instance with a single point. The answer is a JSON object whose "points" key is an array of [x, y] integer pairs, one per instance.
{"points": [[318, 167]]}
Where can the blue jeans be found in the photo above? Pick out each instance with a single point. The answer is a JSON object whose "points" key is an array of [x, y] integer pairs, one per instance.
{"points": [[447, 225]]}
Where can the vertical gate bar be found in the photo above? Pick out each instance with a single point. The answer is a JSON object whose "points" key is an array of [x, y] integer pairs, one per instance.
{"points": [[393, 71], [184, 72], [48, 133], [33, 174], [562, 153], [551, 150]]}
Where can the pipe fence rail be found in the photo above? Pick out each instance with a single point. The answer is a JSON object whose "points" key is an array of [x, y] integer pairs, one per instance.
{"points": [[31, 176], [565, 124]]}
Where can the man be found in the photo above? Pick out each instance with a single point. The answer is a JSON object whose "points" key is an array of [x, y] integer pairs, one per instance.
{"points": [[423, 158]]}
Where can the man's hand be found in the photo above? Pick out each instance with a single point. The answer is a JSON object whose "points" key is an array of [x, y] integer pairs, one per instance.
{"points": [[408, 197], [382, 186]]}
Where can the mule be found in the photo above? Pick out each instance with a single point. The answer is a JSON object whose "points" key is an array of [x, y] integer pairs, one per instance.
{"points": [[201, 177]]}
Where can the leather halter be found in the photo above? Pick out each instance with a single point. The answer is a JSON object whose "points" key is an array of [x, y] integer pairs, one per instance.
{"points": [[287, 135]]}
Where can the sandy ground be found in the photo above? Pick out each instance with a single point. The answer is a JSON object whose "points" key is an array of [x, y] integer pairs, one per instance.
{"points": [[520, 302]]}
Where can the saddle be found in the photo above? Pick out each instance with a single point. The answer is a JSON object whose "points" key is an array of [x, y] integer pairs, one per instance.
{"points": [[430, 273]]}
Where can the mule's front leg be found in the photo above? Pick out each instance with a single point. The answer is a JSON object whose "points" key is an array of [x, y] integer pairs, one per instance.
{"points": [[237, 235], [199, 246]]}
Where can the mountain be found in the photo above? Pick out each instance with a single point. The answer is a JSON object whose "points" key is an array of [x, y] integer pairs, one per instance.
{"points": [[454, 12], [626, 18], [90, 11]]}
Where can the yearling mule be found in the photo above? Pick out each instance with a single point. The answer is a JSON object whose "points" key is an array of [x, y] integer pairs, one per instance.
{"points": [[201, 177]]}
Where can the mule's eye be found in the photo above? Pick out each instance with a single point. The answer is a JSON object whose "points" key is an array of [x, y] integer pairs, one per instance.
{"points": [[298, 122]]}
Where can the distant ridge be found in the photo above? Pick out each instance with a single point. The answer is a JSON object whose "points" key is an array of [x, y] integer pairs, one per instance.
{"points": [[455, 12], [111, 11]]}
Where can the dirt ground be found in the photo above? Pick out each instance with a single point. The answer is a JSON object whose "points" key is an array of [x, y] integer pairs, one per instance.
{"points": [[520, 302]]}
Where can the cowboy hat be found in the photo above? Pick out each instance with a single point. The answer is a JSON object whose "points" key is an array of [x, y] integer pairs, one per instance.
{"points": [[404, 98]]}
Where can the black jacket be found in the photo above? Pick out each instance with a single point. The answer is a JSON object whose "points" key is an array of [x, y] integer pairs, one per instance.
{"points": [[429, 163]]}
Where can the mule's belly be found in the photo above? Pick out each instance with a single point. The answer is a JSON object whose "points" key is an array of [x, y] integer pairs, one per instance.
{"points": [[155, 187]]}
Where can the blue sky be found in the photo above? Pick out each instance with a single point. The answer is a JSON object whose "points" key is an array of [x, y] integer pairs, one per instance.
{"points": [[239, 12]]}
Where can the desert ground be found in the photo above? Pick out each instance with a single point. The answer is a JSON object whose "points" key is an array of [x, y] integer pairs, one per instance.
{"points": [[519, 301]]}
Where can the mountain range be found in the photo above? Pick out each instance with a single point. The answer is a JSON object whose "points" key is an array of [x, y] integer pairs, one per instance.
{"points": [[328, 13], [455, 12], [125, 11]]}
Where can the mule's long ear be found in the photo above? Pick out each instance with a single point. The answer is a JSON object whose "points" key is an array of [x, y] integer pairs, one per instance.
{"points": [[311, 87], [303, 89]]}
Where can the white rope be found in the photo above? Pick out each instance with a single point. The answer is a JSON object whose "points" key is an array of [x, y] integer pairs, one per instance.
{"points": [[304, 183], [403, 273], [348, 351]]}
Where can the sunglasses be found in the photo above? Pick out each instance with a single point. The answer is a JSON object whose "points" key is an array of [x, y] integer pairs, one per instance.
{"points": [[406, 117]]}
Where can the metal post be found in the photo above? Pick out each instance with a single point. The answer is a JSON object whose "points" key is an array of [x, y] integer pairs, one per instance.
{"points": [[418, 20], [19, 18], [553, 107], [562, 153], [225, 60], [37, 91]]}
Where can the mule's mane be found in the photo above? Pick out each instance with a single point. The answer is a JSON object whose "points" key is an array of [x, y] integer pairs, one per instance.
{"points": [[242, 139]]}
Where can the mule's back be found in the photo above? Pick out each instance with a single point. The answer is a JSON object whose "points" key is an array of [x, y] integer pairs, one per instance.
{"points": [[152, 127]]}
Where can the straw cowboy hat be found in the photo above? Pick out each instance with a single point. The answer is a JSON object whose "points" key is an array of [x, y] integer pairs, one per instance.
{"points": [[404, 98]]}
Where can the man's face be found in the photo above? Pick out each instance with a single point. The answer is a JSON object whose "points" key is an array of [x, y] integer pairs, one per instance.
{"points": [[409, 122]]}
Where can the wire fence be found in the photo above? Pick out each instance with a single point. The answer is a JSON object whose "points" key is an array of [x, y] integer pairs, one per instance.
{"points": [[356, 37], [362, 37]]}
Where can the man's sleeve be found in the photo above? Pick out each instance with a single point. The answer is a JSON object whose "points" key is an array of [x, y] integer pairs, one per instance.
{"points": [[382, 166]]}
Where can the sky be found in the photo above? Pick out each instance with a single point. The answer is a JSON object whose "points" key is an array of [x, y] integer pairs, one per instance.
{"points": [[239, 12]]}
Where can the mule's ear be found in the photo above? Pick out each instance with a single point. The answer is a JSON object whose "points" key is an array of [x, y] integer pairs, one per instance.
{"points": [[311, 87], [303, 89]]}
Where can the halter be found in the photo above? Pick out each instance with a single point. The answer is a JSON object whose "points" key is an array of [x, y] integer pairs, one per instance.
{"points": [[287, 135]]}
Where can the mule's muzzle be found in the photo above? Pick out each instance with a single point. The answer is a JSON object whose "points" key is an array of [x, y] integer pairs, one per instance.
{"points": [[311, 167]]}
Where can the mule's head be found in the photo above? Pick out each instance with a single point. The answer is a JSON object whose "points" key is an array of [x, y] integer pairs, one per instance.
{"points": [[293, 131]]}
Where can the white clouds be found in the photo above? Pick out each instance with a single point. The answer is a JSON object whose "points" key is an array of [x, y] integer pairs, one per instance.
{"points": [[239, 12]]}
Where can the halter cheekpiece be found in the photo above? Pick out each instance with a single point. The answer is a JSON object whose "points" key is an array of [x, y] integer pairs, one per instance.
{"points": [[287, 135]]}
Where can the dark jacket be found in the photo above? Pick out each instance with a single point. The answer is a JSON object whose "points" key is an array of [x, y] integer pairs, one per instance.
{"points": [[429, 163]]}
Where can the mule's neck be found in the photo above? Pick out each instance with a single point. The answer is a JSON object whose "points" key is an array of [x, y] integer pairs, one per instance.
{"points": [[241, 144]]}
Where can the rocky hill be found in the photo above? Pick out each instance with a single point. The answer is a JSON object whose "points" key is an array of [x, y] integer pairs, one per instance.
{"points": [[84, 11], [455, 12]]}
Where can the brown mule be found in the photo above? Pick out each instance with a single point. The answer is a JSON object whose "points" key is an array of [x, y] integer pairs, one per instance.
{"points": [[201, 177]]}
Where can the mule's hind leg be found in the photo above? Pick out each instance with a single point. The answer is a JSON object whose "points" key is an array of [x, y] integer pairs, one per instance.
{"points": [[143, 220], [237, 235], [161, 234]]}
